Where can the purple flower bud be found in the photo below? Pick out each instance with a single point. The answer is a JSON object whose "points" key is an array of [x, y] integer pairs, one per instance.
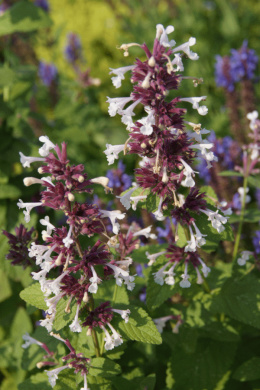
{"points": [[73, 49], [47, 73], [243, 62], [44, 4]]}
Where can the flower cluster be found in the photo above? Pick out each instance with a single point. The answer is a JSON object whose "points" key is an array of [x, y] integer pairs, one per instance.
{"points": [[48, 73], [166, 143]]}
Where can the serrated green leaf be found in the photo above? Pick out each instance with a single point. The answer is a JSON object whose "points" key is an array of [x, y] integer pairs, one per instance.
{"points": [[239, 298], [211, 196], [205, 367], [36, 382], [152, 202], [109, 290], [248, 371], [140, 327], [5, 288], [98, 383], [104, 367], [23, 17], [66, 381], [61, 317], [34, 295]]}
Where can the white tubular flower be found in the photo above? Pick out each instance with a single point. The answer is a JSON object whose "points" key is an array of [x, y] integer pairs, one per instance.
{"points": [[48, 322], [125, 263], [119, 72], [160, 322], [159, 275], [113, 216], [205, 270], [242, 194], [122, 276], [177, 63], [68, 240], [199, 277], [53, 374], [52, 303], [50, 227], [170, 275], [200, 240], [162, 35], [185, 47], [202, 110], [26, 161], [147, 122], [117, 338], [123, 313], [192, 244], [128, 113], [206, 154], [152, 258], [158, 213], [94, 281], [28, 207], [85, 383], [125, 199], [112, 152], [109, 341], [52, 286], [29, 341], [244, 257], [252, 116], [188, 172], [136, 199], [46, 147], [145, 232], [217, 220], [116, 105], [185, 278], [75, 325]]}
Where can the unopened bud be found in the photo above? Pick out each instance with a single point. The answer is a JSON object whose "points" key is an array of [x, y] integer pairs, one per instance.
{"points": [[165, 177], [101, 180], [40, 364], [40, 170], [151, 61], [143, 145], [71, 197], [85, 297], [80, 179], [88, 333], [146, 82], [58, 260], [28, 181]]}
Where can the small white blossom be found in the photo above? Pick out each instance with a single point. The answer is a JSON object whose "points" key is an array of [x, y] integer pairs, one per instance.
{"points": [[29, 341], [162, 35], [119, 72], [117, 338], [205, 270], [113, 216], [128, 113], [177, 62], [242, 194], [94, 281], [136, 199], [122, 276], [147, 122], [158, 213], [152, 258], [160, 322], [170, 275], [26, 161], [112, 152], [185, 47], [160, 274], [75, 325], [125, 199], [244, 257], [53, 374], [46, 147], [217, 220], [252, 116], [145, 232], [28, 207], [50, 227], [185, 278], [116, 105], [68, 240], [202, 110], [123, 313], [188, 172]]}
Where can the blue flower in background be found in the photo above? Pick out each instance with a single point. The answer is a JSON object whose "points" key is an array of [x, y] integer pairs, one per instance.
{"points": [[47, 73], [243, 62], [256, 241], [223, 74], [73, 49], [42, 4], [118, 178]]}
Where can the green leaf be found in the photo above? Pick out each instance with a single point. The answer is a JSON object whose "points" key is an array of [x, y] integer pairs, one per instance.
{"points": [[36, 382], [230, 173], [140, 327], [139, 255], [104, 367], [249, 370], [5, 288], [109, 290], [61, 317], [9, 191], [251, 216], [66, 381], [254, 181], [7, 76], [211, 195], [152, 202], [204, 368], [23, 17], [157, 294], [137, 383], [98, 383], [34, 295], [239, 298]]}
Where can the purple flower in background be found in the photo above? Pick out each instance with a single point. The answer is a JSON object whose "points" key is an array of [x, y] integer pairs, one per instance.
{"points": [[47, 73], [164, 234], [204, 172], [118, 178], [256, 241], [73, 49], [223, 75], [42, 4], [243, 62], [257, 195], [3, 7]]}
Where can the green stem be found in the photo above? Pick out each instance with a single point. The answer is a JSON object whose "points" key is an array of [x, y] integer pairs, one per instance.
{"points": [[93, 332], [103, 340], [241, 220]]}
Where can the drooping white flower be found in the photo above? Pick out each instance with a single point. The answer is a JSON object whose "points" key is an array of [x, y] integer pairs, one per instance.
{"points": [[152, 258], [68, 240], [160, 322], [160, 274], [217, 220], [109, 342], [94, 281], [121, 276], [125, 199], [242, 194], [113, 216], [123, 313], [244, 257], [192, 244], [200, 240], [147, 122], [185, 278], [252, 116], [29, 341], [52, 286], [136, 199], [185, 47], [53, 374], [177, 63], [75, 325], [205, 270], [162, 35], [169, 279], [50, 227], [199, 277], [158, 213], [26, 161], [145, 232], [128, 113], [202, 110], [85, 383], [119, 72], [52, 303], [189, 173], [116, 105], [112, 152], [46, 147], [48, 322], [117, 338], [28, 207]]}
